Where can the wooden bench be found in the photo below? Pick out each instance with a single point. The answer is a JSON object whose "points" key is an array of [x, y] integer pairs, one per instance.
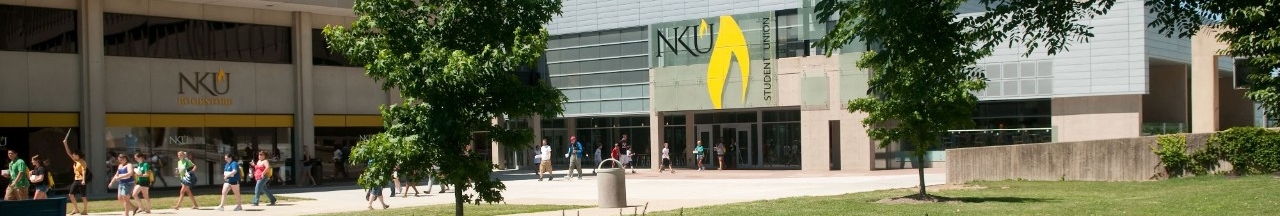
{"points": [[51, 206]]}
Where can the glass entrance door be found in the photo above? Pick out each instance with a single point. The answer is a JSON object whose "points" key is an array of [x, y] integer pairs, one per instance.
{"points": [[742, 152]]}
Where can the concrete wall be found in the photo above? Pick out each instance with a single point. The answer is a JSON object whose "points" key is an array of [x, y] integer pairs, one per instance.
{"points": [[1236, 110], [1097, 117], [345, 90], [1168, 100], [817, 113], [1204, 80], [42, 82], [1127, 159], [150, 85]]}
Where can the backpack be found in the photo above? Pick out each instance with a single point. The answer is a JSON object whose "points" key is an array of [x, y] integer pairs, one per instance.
{"points": [[49, 178]]}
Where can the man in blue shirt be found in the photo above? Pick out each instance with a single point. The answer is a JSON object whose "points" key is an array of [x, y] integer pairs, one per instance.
{"points": [[576, 154]]}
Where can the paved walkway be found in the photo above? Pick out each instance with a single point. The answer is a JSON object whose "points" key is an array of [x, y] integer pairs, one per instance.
{"points": [[661, 191]]}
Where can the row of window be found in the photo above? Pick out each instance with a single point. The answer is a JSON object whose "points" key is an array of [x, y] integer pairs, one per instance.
{"points": [[33, 29], [162, 37]]}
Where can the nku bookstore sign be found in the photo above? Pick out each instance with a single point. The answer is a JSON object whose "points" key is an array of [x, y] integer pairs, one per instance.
{"points": [[726, 45], [209, 88]]}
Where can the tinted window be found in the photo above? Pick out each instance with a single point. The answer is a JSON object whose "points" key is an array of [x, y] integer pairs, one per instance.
{"points": [[162, 37], [37, 29], [321, 54]]}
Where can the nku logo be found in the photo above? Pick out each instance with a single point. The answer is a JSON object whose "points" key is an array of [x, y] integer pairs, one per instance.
{"points": [[220, 83], [729, 46]]}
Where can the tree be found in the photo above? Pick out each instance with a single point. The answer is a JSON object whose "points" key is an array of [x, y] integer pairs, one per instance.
{"points": [[454, 63], [1250, 27], [923, 53]]}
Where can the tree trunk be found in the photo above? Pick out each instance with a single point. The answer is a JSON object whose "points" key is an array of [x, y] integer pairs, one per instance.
{"points": [[457, 200], [920, 167]]}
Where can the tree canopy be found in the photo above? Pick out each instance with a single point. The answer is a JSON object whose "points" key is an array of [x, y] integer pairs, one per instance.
{"points": [[453, 62], [922, 56]]}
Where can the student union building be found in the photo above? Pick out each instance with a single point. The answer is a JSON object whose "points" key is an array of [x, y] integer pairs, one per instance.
{"points": [[161, 76]]}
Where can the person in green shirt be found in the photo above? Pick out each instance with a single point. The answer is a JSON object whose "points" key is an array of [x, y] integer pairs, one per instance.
{"points": [[186, 171], [17, 189]]}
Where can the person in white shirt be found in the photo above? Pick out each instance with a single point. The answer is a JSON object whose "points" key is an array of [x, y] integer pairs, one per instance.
{"points": [[545, 167], [666, 158]]}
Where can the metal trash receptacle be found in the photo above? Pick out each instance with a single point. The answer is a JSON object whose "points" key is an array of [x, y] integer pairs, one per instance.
{"points": [[612, 185]]}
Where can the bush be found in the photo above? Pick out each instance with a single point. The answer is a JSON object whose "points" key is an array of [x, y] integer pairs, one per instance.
{"points": [[1172, 148], [1250, 150]]}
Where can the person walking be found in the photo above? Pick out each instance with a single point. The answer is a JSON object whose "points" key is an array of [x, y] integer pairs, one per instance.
{"points": [[231, 181], [666, 158], [627, 160], [597, 161], [40, 178], [411, 184], [307, 163], [186, 171], [614, 154], [262, 173], [17, 188], [698, 153], [339, 161], [375, 193], [157, 163], [576, 154], [545, 167], [719, 156], [79, 170], [144, 176], [123, 181]]}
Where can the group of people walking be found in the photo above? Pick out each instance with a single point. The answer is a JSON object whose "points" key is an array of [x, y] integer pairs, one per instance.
{"points": [[132, 178], [576, 153], [38, 179]]}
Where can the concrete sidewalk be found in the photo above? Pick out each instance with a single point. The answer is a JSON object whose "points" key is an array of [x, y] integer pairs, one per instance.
{"points": [[661, 191]]}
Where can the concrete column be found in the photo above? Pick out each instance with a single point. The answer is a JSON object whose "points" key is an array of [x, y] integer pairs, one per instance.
{"points": [[92, 93], [571, 127], [690, 139], [1204, 80], [496, 151], [535, 124], [304, 110], [656, 135]]}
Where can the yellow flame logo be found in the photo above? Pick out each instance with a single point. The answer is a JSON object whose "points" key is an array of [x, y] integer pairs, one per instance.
{"points": [[222, 75], [728, 46]]}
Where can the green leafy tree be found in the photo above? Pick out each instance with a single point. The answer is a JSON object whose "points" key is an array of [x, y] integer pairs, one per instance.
{"points": [[922, 56], [453, 62], [1250, 27]]}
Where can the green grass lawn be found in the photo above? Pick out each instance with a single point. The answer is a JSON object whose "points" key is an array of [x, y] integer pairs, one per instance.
{"points": [[469, 209], [1209, 195], [207, 201]]}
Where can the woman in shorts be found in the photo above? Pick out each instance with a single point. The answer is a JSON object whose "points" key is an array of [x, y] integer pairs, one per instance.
{"points": [[142, 183], [39, 178], [231, 181], [186, 171], [124, 183], [80, 171]]}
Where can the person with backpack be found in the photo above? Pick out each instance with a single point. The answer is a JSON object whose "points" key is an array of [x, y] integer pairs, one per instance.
{"points": [[231, 175], [262, 172], [576, 154], [41, 181], [144, 176], [186, 171], [80, 170], [123, 183]]}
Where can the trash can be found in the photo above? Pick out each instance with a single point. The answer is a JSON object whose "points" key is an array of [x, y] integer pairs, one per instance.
{"points": [[612, 185]]}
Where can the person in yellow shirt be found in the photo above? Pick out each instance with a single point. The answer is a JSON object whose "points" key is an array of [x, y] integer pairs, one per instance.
{"points": [[81, 172]]}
